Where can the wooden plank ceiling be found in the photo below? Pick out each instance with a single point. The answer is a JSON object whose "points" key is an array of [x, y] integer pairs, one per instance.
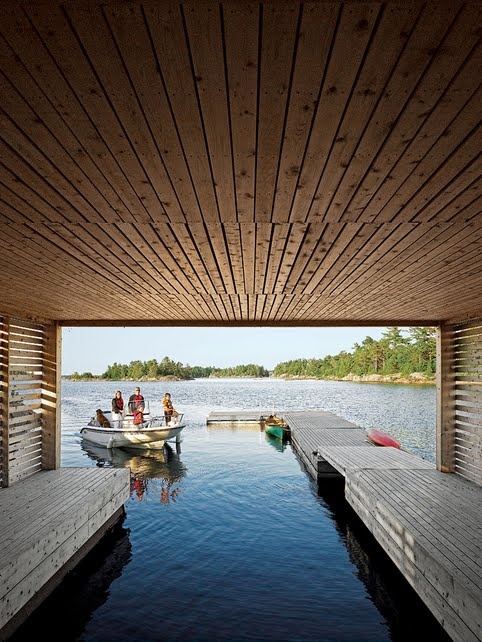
{"points": [[230, 162]]}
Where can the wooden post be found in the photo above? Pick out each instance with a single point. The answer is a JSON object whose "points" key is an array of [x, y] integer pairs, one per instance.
{"points": [[51, 382], [445, 437]]}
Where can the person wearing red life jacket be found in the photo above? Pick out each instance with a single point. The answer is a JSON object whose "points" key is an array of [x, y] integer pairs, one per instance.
{"points": [[117, 408], [138, 416], [135, 400]]}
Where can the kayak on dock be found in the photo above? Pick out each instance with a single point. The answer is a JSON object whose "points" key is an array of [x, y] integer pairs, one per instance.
{"points": [[382, 439]]}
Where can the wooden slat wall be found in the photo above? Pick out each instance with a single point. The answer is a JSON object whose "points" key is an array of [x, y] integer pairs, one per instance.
{"points": [[30, 431], [462, 432], [445, 400], [3, 402]]}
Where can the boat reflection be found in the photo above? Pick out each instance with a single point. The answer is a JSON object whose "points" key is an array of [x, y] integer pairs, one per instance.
{"points": [[154, 473], [278, 444]]}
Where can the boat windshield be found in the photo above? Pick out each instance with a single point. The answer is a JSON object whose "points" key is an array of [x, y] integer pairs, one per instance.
{"points": [[147, 411]]}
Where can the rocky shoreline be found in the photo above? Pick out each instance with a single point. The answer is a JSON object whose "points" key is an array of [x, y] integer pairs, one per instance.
{"points": [[414, 377], [417, 378]]}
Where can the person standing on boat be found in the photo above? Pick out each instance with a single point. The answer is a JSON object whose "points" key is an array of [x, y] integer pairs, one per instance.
{"points": [[117, 408], [168, 408], [135, 400]]}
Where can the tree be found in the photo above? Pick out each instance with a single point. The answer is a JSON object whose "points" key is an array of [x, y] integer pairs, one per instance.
{"points": [[392, 354], [425, 348]]}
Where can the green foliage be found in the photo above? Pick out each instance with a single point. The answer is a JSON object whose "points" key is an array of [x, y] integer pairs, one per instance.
{"points": [[139, 371], [84, 375], [249, 370], [394, 353]]}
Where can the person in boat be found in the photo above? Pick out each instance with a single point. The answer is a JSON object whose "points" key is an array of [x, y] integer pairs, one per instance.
{"points": [[169, 411], [117, 408], [135, 400], [138, 419]]}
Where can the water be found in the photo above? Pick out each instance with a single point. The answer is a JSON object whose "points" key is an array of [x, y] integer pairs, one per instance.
{"points": [[227, 537]]}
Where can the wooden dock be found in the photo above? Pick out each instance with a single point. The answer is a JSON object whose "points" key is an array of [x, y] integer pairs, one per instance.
{"points": [[255, 417], [48, 522], [428, 522]]}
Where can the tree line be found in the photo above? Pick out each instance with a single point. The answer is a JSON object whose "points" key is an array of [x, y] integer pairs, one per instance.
{"points": [[398, 351], [167, 368]]}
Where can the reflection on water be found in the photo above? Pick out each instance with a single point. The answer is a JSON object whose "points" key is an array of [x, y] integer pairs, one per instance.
{"points": [[145, 466], [278, 444], [83, 591], [406, 616]]}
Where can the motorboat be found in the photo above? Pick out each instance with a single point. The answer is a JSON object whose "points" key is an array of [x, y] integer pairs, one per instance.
{"points": [[121, 433]]}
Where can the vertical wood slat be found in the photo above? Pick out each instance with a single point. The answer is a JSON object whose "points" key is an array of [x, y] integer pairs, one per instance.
{"points": [[29, 385], [207, 49], [316, 32], [127, 22], [51, 385], [241, 33], [148, 176], [248, 245], [165, 23], [24, 449], [4, 356], [459, 400], [468, 425], [445, 436], [277, 52]]}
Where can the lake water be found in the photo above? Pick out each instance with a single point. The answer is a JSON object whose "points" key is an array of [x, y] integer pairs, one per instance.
{"points": [[227, 537]]}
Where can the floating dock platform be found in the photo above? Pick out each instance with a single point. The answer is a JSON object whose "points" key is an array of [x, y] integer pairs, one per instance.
{"points": [[252, 417], [428, 522], [48, 523]]}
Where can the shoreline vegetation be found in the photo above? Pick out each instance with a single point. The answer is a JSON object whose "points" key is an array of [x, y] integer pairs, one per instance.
{"points": [[405, 356]]}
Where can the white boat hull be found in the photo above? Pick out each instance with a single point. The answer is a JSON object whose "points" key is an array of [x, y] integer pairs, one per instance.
{"points": [[152, 434]]}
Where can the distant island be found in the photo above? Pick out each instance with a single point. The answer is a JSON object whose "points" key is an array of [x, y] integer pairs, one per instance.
{"points": [[400, 356], [168, 370]]}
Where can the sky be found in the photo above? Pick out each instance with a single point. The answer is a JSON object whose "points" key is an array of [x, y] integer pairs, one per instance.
{"points": [[93, 349]]}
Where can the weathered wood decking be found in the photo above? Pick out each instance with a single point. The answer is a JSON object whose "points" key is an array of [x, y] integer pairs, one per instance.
{"points": [[428, 522], [48, 522]]}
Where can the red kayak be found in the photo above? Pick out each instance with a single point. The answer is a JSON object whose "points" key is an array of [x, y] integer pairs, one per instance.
{"points": [[382, 439]]}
